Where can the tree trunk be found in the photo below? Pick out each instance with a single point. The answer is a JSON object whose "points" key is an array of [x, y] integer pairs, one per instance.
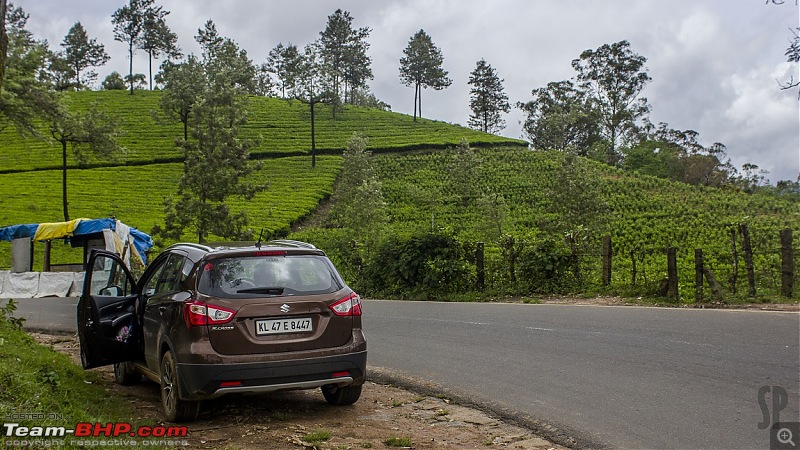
{"points": [[787, 264], [633, 268], [64, 179], [150, 67], [416, 90], [480, 269], [130, 70], [607, 253], [698, 275], [672, 273], [313, 138], [735, 255], [744, 230], [3, 41], [420, 101]]}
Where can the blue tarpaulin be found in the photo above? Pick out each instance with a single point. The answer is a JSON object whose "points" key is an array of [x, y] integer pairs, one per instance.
{"points": [[85, 227]]}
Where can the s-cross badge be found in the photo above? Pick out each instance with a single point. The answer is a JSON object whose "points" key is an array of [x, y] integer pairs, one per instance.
{"points": [[284, 308]]}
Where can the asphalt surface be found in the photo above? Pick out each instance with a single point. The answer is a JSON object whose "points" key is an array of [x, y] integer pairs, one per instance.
{"points": [[622, 377]]}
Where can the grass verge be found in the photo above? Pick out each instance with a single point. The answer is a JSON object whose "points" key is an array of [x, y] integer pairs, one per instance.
{"points": [[40, 387]]}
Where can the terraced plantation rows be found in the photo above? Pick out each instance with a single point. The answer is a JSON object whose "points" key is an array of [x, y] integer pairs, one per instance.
{"points": [[281, 127], [135, 195], [647, 214]]}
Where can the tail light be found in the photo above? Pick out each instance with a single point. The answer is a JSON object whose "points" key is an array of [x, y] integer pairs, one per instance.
{"points": [[348, 306], [199, 313]]}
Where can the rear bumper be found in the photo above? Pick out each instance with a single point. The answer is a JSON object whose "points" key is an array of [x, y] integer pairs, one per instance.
{"points": [[205, 381]]}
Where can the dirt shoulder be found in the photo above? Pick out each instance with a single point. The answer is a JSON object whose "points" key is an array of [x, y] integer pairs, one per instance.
{"points": [[621, 301], [385, 416]]}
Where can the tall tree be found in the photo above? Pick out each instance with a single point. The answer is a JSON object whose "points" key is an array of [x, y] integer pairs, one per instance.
{"points": [[81, 53], [358, 202], [487, 99], [180, 81], [344, 52], [313, 87], [129, 24], [223, 57], [93, 130], [216, 157], [26, 97], [285, 62], [577, 197], [421, 67], [3, 41], [561, 117], [614, 76], [60, 73], [157, 39]]}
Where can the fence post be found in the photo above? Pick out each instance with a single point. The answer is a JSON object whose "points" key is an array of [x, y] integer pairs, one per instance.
{"points": [[744, 230], [787, 263], [735, 256], [698, 275], [606, 252], [672, 272], [46, 261], [479, 266]]}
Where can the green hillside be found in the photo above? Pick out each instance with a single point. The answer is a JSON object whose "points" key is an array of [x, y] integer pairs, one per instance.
{"points": [[647, 215], [281, 128], [135, 195]]}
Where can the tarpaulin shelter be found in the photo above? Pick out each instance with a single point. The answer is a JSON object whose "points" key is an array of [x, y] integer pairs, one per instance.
{"points": [[116, 236]]}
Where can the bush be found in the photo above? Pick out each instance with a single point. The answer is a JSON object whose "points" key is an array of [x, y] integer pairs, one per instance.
{"points": [[544, 267], [423, 265]]}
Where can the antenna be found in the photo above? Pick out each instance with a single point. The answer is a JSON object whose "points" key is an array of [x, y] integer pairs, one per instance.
{"points": [[258, 244]]}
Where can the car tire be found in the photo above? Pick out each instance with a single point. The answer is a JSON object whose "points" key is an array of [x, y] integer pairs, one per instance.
{"points": [[126, 375], [175, 409], [341, 395]]}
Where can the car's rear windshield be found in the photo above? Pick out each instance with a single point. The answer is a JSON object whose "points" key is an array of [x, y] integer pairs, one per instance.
{"points": [[269, 276]]}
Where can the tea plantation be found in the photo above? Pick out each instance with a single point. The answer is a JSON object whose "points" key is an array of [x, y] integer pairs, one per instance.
{"points": [[643, 215]]}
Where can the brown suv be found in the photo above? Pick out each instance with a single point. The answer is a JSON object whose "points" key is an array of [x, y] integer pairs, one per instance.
{"points": [[205, 322]]}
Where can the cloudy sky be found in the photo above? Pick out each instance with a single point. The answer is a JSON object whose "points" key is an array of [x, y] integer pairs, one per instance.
{"points": [[715, 64]]}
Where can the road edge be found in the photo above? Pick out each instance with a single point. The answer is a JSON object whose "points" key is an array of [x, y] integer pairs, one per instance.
{"points": [[557, 434]]}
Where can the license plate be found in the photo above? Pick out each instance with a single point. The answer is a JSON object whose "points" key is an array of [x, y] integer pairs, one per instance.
{"points": [[280, 326]]}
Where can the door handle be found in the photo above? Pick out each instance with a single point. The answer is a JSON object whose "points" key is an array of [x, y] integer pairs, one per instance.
{"points": [[162, 309]]}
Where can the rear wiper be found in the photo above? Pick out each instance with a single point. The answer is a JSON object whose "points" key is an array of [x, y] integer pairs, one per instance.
{"points": [[262, 290]]}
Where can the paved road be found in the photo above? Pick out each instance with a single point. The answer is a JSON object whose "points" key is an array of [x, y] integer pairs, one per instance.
{"points": [[623, 377]]}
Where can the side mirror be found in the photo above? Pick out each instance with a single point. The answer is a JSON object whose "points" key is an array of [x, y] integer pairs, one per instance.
{"points": [[111, 291]]}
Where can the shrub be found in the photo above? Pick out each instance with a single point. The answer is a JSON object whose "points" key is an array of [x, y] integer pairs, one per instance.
{"points": [[423, 264]]}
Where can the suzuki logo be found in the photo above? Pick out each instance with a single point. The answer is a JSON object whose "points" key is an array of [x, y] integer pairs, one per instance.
{"points": [[284, 308]]}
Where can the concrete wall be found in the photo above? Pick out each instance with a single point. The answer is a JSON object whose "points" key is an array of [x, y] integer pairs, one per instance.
{"points": [[40, 284]]}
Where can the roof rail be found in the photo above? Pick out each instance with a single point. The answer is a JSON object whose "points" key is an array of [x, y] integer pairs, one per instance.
{"points": [[290, 243], [192, 244]]}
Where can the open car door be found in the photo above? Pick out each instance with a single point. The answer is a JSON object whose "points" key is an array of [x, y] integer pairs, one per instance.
{"points": [[107, 327]]}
